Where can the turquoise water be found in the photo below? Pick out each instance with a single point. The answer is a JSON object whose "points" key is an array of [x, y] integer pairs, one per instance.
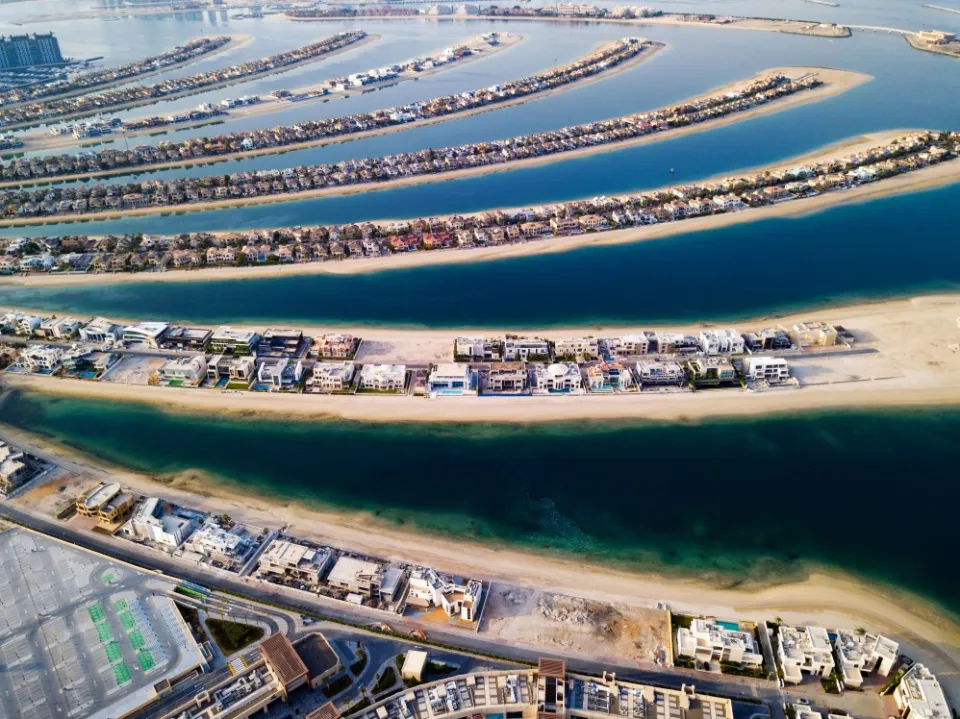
{"points": [[892, 246], [732, 626], [641, 494]]}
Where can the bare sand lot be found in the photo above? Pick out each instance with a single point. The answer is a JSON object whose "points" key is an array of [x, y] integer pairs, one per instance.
{"points": [[603, 631]]}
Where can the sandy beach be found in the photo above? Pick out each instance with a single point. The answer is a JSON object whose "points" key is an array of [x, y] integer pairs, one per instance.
{"points": [[647, 54], [824, 596], [835, 81], [44, 141], [926, 178], [907, 355]]}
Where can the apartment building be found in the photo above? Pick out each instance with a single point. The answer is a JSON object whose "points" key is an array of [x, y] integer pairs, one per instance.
{"points": [[332, 376], [145, 334], [586, 348], [706, 640], [859, 653], [457, 597], [919, 695], [303, 564], [726, 341], [804, 649], [383, 377], [652, 373], [28, 50], [523, 349], [478, 349], [230, 341], [557, 377], [506, 377], [771, 369]]}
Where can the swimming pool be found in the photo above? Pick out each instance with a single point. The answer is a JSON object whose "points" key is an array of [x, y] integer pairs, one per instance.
{"points": [[729, 626]]}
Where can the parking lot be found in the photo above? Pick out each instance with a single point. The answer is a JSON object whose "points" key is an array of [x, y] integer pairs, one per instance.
{"points": [[80, 636]]}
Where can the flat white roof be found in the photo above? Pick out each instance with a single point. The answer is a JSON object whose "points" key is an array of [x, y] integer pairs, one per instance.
{"points": [[346, 570], [149, 329]]}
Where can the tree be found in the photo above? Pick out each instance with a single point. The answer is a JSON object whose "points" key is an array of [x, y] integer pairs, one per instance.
{"points": [[860, 631]]}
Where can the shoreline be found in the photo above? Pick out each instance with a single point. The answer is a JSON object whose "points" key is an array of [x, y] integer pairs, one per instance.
{"points": [[889, 371], [647, 54], [829, 89], [832, 595], [43, 142], [916, 181], [184, 93]]}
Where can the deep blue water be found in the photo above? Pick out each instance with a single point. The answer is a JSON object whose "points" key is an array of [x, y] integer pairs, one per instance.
{"points": [[895, 245], [716, 499]]}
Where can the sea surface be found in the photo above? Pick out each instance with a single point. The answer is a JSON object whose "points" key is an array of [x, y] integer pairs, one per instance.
{"points": [[750, 499]]}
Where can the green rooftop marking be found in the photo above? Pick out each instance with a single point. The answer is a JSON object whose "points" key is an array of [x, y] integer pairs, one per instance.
{"points": [[137, 640], [128, 622], [104, 633], [146, 660], [121, 673], [96, 613], [120, 605], [113, 653]]}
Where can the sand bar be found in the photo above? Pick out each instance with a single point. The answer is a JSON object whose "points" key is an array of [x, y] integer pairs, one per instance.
{"points": [[915, 181], [647, 54], [908, 355], [835, 81]]}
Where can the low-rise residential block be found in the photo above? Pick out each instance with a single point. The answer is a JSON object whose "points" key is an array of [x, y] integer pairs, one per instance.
{"points": [[158, 522], [451, 378], [506, 377], [813, 334], [860, 652], [523, 349], [230, 341], [771, 369], [477, 349], [290, 561], [557, 377], [707, 640], [652, 373], [183, 371], [726, 341], [577, 348], [331, 376], [804, 649], [457, 597], [920, 696], [383, 377]]}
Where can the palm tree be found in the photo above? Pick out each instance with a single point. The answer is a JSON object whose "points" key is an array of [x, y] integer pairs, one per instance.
{"points": [[860, 631]]}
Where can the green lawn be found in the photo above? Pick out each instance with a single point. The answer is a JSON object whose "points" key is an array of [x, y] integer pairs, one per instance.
{"points": [[233, 636]]}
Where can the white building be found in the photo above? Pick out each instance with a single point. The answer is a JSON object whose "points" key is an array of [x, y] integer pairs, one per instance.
{"points": [[147, 334], [102, 331], [280, 373], [864, 653], [521, 349], [478, 349], [586, 347], [332, 376], [151, 522], [227, 546], [457, 597], [706, 641], [804, 649], [185, 370], [359, 576], [919, 695], [58, 328], [228, 340], [725, 341], [634, 344], [286, 559], [652, 373], [41, 358], [451, 378], [383, 377], [557, 377], [21, 324], [772, 369]]}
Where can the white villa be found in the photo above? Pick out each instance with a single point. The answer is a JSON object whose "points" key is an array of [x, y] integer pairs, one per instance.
{"points": [[383, 377], [919, 695], [41, 358], [772, 369], [586, 347], [332, 376], [864, 653], [558, 377], [478, 349], [458, 597], [186, 370], [147, 334], [520, 349], [451, 378], [726, 341], [804, 649], [101, 330], [708, 641]]}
